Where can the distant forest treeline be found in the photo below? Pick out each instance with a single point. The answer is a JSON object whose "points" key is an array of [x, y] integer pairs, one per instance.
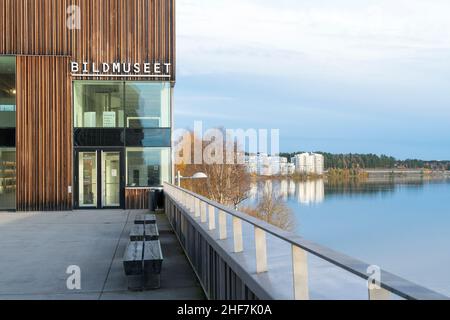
{"points": [[373, 161]]}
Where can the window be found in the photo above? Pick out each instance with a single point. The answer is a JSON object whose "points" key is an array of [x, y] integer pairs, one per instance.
{"points": [[148, 167], [98, 104], [147, 104], [7, 92], [117, 104], [7, 178]]}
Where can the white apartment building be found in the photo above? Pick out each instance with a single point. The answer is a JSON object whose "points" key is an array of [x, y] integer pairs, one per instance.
{"points": [[290, 169], [309, 163], [251, 162], [265, 165]]}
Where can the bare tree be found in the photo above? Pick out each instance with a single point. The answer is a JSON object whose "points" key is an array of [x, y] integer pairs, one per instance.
{"points": [[272, 209], [228, 184]]}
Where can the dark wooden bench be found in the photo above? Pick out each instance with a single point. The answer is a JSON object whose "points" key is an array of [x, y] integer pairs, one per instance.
{"points": [[134, 268], [152, 259], [145, 219], [143, 263], [141, 232]]}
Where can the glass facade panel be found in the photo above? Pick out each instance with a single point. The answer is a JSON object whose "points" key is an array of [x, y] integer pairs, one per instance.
{"points": [[147, 104], [7, 137], [117, 104], [7, 92], [148, 138], [7, 179], [89, 137], [88, 179], [148, 167], [98, 104], [111, 179]]}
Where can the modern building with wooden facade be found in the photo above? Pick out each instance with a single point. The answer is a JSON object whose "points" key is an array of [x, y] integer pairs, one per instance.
{"points": [[86, 91]]}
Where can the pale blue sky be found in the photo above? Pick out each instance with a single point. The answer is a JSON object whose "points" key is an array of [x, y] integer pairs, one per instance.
{"points": [[332, 75]]}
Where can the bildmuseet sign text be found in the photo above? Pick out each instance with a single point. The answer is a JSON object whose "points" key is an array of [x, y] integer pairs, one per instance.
{"points": [[154, 69]]}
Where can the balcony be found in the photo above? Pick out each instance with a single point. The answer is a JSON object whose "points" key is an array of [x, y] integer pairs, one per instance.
{"points": [[209, 252], [237, 256], [37, 248]]}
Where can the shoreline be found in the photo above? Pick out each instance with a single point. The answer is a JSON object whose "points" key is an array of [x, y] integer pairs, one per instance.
{"points": [[364, 175]]}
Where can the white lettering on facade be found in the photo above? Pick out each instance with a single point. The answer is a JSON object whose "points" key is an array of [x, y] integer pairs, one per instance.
{"points": [[126, 67], [116, 67], [146, 67], [137, 68], [74, 67], [106, 67], [156, 69]]}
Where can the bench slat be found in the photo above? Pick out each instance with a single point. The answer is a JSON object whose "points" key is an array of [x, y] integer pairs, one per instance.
{"points": [[132, 260], [145, 219], [153, 257], [149, 233]]}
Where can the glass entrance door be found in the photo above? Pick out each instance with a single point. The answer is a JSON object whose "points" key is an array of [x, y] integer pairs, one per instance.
{"points": [[87, 179], [100, 179], [111, 179]]}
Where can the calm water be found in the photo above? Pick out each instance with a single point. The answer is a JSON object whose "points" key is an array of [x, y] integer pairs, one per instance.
{"points": [[402, 226]]}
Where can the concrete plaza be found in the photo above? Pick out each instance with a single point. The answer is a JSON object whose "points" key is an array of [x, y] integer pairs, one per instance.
{"points": [[37, 248]]}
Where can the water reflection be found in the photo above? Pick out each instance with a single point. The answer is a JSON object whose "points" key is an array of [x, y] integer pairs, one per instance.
{"points": [[382, 221], [315, 191], [305, 192]]}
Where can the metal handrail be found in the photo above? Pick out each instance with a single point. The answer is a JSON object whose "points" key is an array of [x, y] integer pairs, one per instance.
{"points": [[390, 282]]}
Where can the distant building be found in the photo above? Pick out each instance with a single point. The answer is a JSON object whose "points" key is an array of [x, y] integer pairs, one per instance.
{"points": [[309, 163], [265, 165], [251, 162], [290, 169]]}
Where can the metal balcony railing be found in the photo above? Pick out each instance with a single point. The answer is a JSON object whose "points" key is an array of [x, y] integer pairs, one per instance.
{"points": [[204, 212]]}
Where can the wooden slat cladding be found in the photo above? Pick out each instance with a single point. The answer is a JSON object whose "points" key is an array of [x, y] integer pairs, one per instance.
{"points": [[43, 134], [125, 31], [34, 27], [137, 198], [128, 31]]}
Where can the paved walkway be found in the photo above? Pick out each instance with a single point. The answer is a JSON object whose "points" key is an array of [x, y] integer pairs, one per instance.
{"points": [[37, 248]]}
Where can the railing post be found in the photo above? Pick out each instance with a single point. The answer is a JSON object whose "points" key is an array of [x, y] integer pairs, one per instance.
{"points": [[237, 234], [212, 218], [300, 273], [222, 225], [378, 293], [192, 204], [183, 197], [203, 216], [197, 208], [261, 250]]}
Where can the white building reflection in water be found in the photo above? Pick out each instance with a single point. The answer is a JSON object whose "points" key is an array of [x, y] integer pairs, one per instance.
{"points": [[309, 192], [304, 192]]}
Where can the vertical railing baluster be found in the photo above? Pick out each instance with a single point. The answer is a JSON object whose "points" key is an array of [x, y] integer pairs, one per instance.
{"points": [[197, 208], [212, 218], [203, 216], [237, 235], [378, 293], [222, 225], [300, 273], [192, 204], [261, 250]]}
